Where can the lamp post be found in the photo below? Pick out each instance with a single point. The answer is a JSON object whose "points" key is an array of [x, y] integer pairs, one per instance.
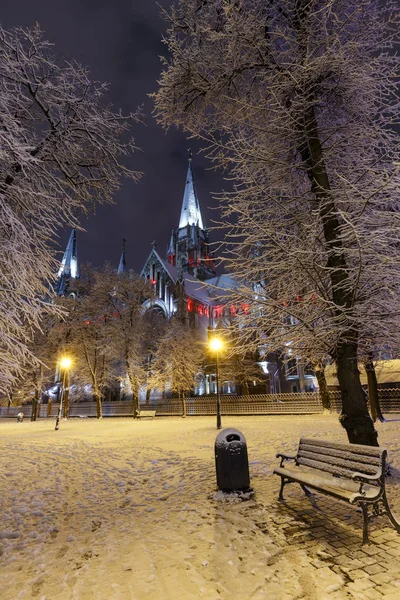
{"points": [[216, 346], [65, 365]]}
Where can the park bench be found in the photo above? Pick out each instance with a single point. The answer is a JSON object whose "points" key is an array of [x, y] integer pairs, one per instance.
{"points": [[147, 413], [348, 472]]}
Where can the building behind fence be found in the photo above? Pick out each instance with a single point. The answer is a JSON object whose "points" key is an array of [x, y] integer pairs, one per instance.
{"points": [[265, 404]]}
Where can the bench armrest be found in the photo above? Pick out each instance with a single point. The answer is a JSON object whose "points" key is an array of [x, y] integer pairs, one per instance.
{"points": [[284, 457], [364, 477]]}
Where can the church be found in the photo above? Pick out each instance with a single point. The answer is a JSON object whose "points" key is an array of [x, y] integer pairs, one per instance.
{"points": [[185, 280]]}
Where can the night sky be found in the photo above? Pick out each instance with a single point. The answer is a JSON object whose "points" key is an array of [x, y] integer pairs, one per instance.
{"points": [[120, 42]]}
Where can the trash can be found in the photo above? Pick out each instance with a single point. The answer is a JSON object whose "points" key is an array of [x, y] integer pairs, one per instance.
{"points": [[231, 461]]}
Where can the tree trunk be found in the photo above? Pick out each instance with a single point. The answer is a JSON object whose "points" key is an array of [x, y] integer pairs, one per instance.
{"points": [[34, 405], [49, 405], [323, 388], [99, 408], [35, 398], [148, 392], [373, 395], [355, 417]]}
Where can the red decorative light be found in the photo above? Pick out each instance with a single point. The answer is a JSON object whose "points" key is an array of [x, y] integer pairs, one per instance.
{"points": [[233, 311], [153, 281], [218, 311], [200, 310], [245, 308], [190, 305]]}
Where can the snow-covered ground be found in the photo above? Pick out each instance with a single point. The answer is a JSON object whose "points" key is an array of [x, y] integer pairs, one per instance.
{"points": [[120, 509]]}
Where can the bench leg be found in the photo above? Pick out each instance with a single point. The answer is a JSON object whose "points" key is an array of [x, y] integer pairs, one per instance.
{"points": [[365, 523], [283, 483], [306, 491]]}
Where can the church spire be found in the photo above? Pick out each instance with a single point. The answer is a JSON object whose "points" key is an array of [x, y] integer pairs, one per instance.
{"points": [[188, 249], [122, 262], [190, 213], [69, 264]]}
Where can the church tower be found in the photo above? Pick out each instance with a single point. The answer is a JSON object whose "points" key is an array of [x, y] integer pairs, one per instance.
{"points": [[188, 249], [69, 266]]}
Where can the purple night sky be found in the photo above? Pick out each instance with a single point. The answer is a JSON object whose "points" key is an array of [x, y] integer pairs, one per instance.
{"points": [[120, 42]]}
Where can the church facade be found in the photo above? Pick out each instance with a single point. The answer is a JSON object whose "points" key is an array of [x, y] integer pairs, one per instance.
{"points": [[184, 282]]}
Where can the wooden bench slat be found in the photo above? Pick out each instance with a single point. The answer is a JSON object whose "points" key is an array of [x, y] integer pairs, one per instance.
{"points": [[334, 470], [338, 462], [352, 448], [349, 456]]}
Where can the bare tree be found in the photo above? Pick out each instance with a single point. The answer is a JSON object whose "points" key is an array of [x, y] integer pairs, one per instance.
{"points": [[178, 360], [298, 100], [90, 327], [134, 331], [39, 373], [62, 150]]}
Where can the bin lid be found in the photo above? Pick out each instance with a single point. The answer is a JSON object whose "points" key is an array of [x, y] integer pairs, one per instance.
{"points": [[227, 436]]}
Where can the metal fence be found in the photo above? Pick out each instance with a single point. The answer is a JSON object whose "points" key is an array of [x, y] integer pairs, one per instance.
{"points": [[264, 404]]}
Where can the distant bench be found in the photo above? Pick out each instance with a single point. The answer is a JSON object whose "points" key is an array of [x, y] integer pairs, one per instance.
{"points": [[349, 472], [147, 413]]}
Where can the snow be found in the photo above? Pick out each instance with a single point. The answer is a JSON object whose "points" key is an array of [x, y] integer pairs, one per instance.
{"points": [[124, 509]]}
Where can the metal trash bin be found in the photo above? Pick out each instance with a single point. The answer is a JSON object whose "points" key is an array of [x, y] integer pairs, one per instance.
{"points": [[231, 461]]}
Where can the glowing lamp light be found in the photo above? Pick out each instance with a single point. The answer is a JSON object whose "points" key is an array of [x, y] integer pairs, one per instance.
{"points": [[216, 344], [65, 363]]}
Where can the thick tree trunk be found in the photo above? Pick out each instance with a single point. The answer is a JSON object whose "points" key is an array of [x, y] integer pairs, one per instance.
{"points": [[373, 395], [355, 417], [148, 392], [323, 388], [49, 406], [135, 398]]}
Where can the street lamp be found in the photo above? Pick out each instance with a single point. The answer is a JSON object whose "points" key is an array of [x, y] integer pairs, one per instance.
{"points": [[216, 345], [65, 365]]}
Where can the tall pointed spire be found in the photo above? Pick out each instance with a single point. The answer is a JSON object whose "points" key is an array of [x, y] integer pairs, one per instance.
{"points": [[190, 213], [188, 248], [122, 262], [69, 264]]}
